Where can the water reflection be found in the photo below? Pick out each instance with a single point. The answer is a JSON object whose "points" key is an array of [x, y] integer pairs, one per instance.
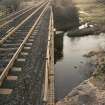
{"points": [[58, 48], [71, 67], [65, 15]]}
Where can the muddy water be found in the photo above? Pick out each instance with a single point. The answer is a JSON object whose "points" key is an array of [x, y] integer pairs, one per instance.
{"points": [[71, 67]]}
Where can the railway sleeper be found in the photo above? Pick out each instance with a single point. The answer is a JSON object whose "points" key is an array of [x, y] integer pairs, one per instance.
{"points": [[28, 44], [20, 36], [30, 40], [34, 33], [16, 69], [4, 91], [12, 78], [7, 48], [14, 41], [6, 54], [24, 53], [37, 28], [16, 38], [11, 44], [21, 60], [18, 60], [32, 36], [27, 48]]}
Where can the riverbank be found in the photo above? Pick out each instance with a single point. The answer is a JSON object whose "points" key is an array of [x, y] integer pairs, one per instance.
{"points": [[91, 18], [85, 94], [91, 11], [87, 29], [91, 91], [78, 17]]}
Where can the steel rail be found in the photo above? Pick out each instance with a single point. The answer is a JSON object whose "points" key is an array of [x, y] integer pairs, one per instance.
{"points": [[15, 56], [18, 26], [24, 12]]}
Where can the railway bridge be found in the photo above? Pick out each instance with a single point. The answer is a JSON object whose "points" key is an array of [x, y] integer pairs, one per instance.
{"points": [[27, 56]]}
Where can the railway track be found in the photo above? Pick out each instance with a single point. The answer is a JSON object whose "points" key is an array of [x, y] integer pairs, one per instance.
{"points": [[15, 14], [15, 20], [14, 49]]}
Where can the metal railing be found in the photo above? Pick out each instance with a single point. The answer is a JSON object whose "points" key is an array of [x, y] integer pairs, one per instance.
{"points": [[48, 97]]}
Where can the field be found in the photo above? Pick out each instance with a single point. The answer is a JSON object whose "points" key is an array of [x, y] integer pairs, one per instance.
{"points": [[91, 11]]}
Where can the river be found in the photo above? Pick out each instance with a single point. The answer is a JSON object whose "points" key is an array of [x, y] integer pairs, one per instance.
{"points": [[71, 67]]}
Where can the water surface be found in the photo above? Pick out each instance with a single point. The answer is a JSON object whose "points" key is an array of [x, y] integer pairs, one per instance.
{"points": [[71, 67]]}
